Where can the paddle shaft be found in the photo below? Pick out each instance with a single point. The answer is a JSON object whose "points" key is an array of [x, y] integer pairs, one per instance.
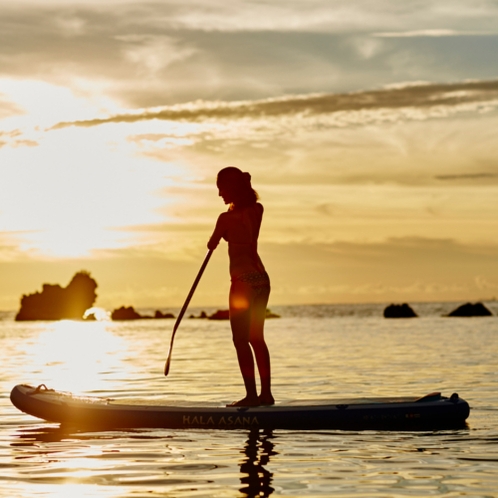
{"points": [[185, 306]]}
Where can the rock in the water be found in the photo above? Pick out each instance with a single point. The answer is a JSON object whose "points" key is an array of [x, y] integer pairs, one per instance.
{"points": [[129, 313], [399, 311], [203, 314], [470, 309], [220, 315], [125, 313], [160, 314], [57, 303], [270, 314], [225, 315]]}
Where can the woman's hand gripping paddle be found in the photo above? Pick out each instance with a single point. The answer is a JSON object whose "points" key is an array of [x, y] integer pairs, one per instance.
{"points": [[182, 312]]}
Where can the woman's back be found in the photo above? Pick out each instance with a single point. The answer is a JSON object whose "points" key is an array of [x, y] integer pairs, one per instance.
{"points": [[242, 231]]}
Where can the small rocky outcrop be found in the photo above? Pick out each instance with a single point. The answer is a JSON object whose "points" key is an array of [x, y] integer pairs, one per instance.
{"points": [[471, 309], [202, 315], [220, 315], [399, 311], [270, 314], [225, 315], [125, 313], [57, 303], [160, 314], [129, 313]]}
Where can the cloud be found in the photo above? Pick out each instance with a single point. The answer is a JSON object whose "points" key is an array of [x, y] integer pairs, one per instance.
{"points": [[467, 176], [410, 34], [154, 53], [417, 101], [12, 138], [71, 25], [148, 54], [305, 15], [432, 33], [9, 108]]}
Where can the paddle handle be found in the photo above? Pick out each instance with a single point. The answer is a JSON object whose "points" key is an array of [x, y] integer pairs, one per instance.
{"points": [[184, 308]]}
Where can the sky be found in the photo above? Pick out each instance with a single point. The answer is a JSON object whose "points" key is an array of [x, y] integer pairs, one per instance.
{"points": [[369, 130]]}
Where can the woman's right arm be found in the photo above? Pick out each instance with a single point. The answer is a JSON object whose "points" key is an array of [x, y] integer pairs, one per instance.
{"points": [[218, 233]]}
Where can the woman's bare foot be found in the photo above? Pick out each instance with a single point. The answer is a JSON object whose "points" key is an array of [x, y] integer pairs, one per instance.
{"points": [[266, 400], [247, 401]]}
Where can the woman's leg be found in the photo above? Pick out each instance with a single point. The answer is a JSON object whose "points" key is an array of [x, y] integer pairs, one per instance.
{"points": [[259, 346], [240, 321]]}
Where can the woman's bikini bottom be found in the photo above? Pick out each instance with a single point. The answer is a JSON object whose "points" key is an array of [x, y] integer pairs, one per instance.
{"points": [[258, 281]]}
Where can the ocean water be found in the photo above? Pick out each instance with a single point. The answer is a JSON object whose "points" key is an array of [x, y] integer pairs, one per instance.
{"points": [[322, 351]]}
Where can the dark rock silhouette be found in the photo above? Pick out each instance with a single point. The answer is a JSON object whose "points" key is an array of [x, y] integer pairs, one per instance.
{"points": [[125, 313], [225, 315], [220, 315], [129, 313], [203, 314], [270, 314], [56, 303], [159, 314], [399, 311], [469, 309]]}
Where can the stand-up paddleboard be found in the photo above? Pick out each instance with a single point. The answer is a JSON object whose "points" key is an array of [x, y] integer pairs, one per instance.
{"points": [[429, 412]]}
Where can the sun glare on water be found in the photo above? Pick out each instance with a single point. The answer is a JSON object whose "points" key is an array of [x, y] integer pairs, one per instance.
{"points": [[77, 356]]}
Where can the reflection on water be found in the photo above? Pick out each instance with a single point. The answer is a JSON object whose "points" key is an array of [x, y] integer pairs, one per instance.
{"points": [[69, 458], [50, 461], [255, 478], [312, 358]]}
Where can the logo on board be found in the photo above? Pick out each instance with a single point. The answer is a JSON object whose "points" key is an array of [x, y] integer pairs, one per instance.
{"points": [[229, 421]]}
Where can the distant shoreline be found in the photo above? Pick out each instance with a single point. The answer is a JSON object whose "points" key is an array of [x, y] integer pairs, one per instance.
{"points": [[319, 310]]}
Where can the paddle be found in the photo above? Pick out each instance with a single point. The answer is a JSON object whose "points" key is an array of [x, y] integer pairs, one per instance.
{"points": [[182, 312]]}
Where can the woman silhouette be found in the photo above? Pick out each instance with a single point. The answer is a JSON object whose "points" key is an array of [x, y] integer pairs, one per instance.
{"points": [[250, 284]]}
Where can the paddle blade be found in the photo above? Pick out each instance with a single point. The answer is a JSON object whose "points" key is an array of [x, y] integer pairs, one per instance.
{"points": [[167, 364]]}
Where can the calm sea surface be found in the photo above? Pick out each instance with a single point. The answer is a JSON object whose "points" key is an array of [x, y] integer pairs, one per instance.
{"points": [[317, 352]]}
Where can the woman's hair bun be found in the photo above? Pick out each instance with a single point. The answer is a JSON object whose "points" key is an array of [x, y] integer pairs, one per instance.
{"points": [[247, 176]]}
